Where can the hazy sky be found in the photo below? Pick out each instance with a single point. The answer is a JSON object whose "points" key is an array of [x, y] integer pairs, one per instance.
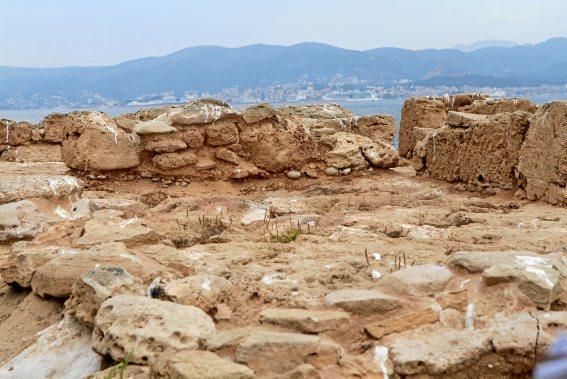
{"points": [[102, 32]]}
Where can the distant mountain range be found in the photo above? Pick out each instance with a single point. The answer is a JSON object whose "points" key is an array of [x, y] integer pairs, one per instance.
{"points": [[484, 44], [213, 68]]}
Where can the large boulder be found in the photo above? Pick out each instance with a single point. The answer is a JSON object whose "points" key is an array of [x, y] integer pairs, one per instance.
{"points": [[99, 144], [543, 157], [145, 328], [275, 147], [427, 113], [478, 151]]}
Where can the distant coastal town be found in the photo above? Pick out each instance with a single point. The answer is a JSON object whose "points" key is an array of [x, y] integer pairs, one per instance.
{"points": [[343, 89]]}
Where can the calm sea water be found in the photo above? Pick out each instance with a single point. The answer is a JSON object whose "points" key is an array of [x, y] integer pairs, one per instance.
{"points": [[360, 108]]}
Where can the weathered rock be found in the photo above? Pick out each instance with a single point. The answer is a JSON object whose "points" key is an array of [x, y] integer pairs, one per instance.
{"points": [[318, 111], [422, 280], [159, 125], [478, 261], [345, 150], [201, 111], [57, 125], [230, 338], [364, 302], [33, 153], [20, 220], [168, 161], [277, 146], [169, 257], [25, 259], [108, 227], [199, 364], [244, 170], [486, 106], [543, 158], [147, 327], [130, 372], [419, 113], [227, 155], [379, 128], [515, 337], [56, 277], [271, 353], [15, 133], [402, 323], [97, 285], [203, 291], [439, 352], [165, 145], [381, 155], [257, 113], [68, 342], [485, 154], [304, 371], [307, 321], [535, 276], [100, 145], [19, 187], [221, 133], [205, 164], [130, 208], [465, 120], [193, 137]]}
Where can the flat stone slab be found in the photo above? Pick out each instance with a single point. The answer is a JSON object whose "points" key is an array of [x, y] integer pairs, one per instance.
{"points": [[308, 321], [464, 120], [14, 187], [362, 301]]}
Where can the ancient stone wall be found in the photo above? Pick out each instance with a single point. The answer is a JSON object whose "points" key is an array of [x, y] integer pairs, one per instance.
{"points": [[421, 115], [477, 150], [510, 150], [543, 158], [209, 139]]}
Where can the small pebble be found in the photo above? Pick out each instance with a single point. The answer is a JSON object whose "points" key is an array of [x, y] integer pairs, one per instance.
{"points": [[331, 171], [294, 174]]}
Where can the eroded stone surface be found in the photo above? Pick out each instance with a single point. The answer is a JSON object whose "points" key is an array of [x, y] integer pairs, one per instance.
{"points": [[307, 321], [361, 301], [280, 352], [146, 327]]}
